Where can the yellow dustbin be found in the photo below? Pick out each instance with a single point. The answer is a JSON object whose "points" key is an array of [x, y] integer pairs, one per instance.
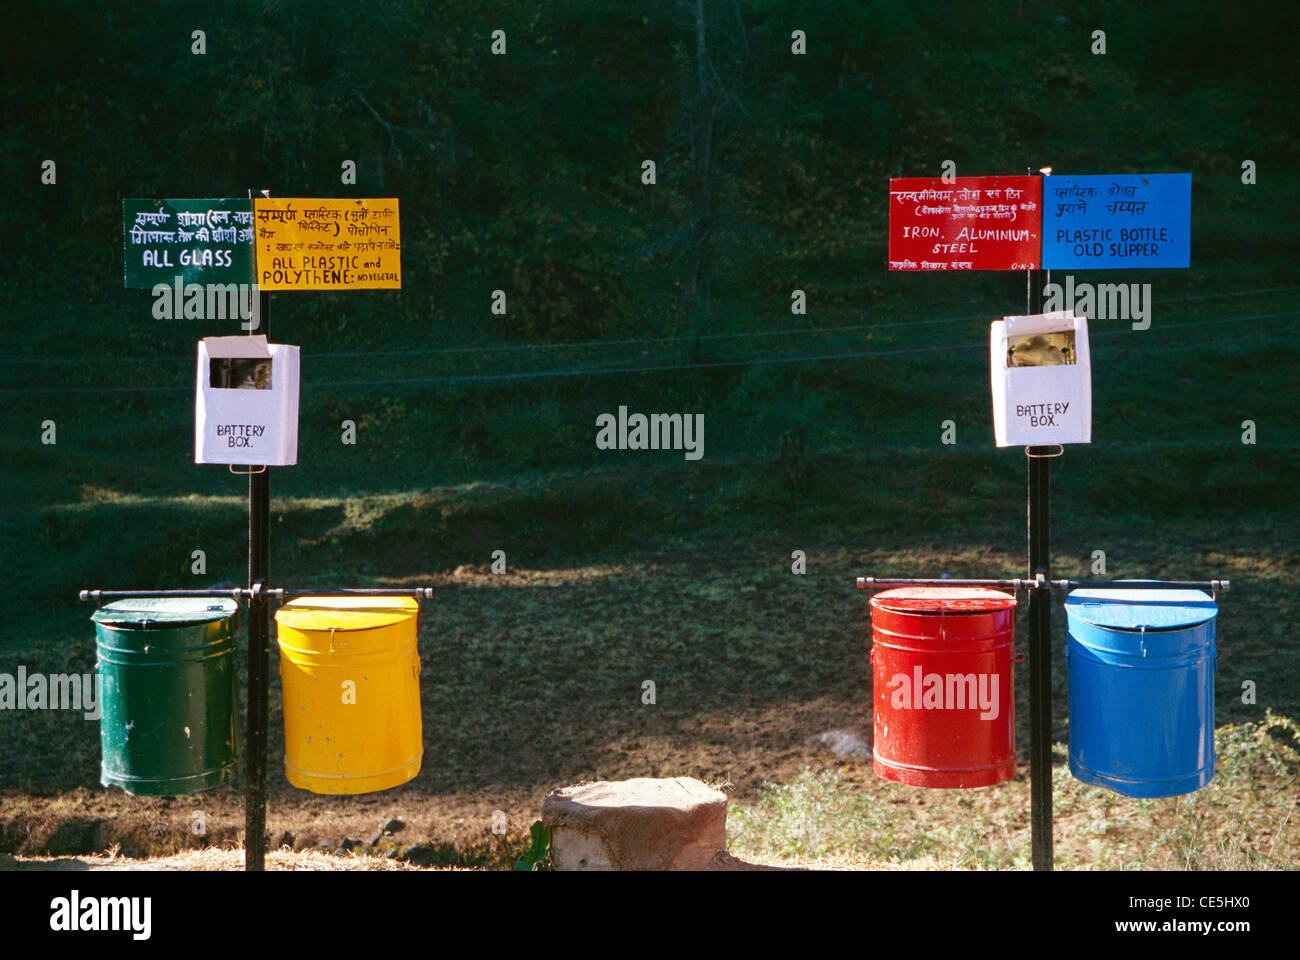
{"points": [[350, 674]]}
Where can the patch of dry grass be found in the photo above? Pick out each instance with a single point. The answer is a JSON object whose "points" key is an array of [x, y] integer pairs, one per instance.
{"points": [[213, 858]]}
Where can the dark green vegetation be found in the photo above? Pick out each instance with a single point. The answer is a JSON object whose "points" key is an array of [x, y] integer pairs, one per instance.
{"points": [[522, 173]]}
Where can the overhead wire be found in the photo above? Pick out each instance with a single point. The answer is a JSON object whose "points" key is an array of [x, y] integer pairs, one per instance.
{"points": [[638, 341], [650, 368]]}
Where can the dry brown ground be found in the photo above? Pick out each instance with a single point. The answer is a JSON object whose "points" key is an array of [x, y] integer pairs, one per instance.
{"points": [[533, 680]]}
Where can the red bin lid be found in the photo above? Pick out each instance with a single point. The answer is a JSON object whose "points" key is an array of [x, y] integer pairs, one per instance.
{"points": [[943, 600]]}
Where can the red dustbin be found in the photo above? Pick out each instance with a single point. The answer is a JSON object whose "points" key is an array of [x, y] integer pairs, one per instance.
{"points": [[941, 672]]}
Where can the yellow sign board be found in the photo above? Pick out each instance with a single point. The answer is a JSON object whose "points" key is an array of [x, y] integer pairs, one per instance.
{"points": [[308, 244]]}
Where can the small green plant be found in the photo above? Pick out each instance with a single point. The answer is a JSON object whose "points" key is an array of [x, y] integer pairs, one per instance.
{"points": [[538, 856]]}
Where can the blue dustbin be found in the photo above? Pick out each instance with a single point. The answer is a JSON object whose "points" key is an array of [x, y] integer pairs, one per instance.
{"points": [[1142, 689]]}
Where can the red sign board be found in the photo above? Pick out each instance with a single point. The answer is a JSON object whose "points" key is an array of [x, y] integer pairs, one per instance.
{"points": [[972, 223]]}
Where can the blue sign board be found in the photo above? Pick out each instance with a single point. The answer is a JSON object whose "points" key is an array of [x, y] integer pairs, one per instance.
{"points": [[1111, 222]]}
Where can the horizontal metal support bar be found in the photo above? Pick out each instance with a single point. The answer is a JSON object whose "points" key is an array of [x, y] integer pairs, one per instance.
{"points": [[423, 593], [234, 593], [1040, 583], [241, 593], [1142, 584], [867, 582]]}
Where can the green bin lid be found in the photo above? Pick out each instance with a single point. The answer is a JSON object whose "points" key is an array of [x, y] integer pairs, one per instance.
{"points": [[166, 611]]}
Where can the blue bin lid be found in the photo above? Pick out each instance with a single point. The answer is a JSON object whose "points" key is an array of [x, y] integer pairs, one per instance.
{"points": [[1150, 608], [166, 611]]}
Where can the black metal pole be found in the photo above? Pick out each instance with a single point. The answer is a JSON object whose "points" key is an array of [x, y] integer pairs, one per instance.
{"points": [[1040, 659], [259, 632], [1040, 633]]}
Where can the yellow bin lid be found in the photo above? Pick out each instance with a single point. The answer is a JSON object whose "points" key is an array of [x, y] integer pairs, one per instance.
{"points": [[346, 613]]}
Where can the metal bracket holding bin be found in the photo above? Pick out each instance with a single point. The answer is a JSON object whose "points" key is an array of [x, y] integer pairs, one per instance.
{"points": [[1040, 691], [257, 594]]}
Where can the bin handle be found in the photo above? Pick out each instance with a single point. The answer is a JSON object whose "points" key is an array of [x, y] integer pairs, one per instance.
{"points": [[246, 473], [1017, 656], [1046, 456]]}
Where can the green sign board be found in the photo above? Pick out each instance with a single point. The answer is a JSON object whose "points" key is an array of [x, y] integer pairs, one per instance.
{"points": [[199, 241]]}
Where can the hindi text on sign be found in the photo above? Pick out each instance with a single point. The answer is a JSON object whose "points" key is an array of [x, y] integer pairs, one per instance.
{"points": [[972, 223], [313, 244]]}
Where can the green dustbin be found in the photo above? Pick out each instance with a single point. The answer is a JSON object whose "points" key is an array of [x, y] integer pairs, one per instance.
{"points": [[169, 703]]}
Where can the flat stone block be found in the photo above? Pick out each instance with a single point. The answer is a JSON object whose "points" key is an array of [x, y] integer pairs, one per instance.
{"points": [[638, 824]]}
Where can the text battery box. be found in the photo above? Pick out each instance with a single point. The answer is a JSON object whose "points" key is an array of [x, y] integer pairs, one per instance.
{"points": [[246, 404], [1042, 379]]}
